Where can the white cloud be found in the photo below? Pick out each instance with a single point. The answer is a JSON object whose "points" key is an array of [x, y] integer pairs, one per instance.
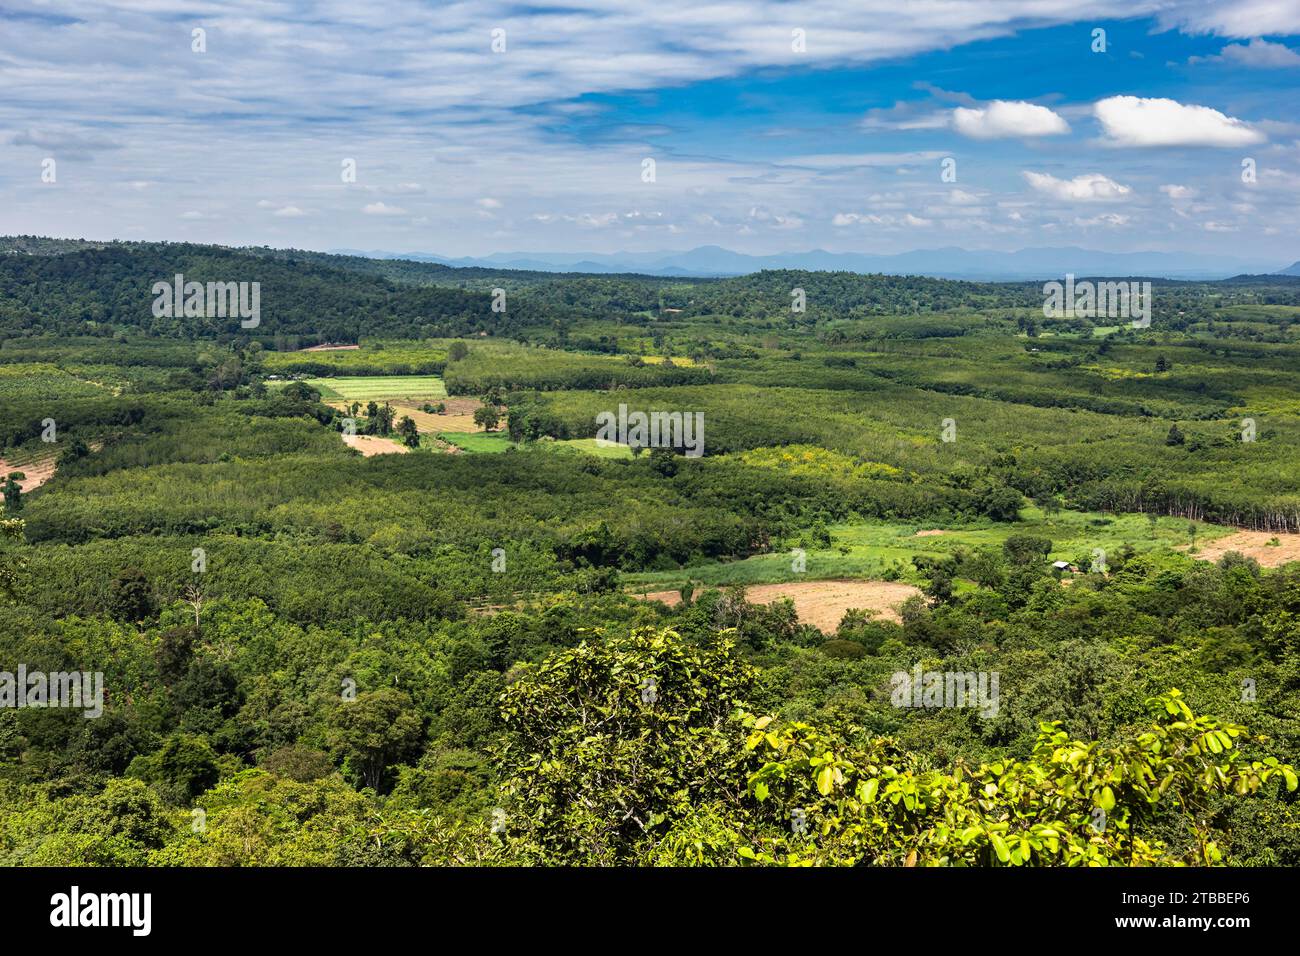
{"points": [[1135, 121], [834, 160], [1090, 187], [1175, 191], [1233, 18], [1258, 53], [1109, 220], [1003, 119], [382, 209], [872, 219]]}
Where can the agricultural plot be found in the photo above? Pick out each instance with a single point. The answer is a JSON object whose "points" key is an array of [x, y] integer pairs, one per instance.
{"points": [[457, 416], [874, 548], [44, 382], [478, 443], [590, 446], [372, 357], [819, 603], [378, 388]]}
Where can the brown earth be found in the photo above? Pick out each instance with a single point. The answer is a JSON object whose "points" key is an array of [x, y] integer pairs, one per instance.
{"points": [[931, 533], [37, 472], [1253, 544], [820, 603], [370, 445], [458, 418]]}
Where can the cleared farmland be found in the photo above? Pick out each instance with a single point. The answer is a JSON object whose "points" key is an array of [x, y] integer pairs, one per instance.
{"points": [[367, 388]]}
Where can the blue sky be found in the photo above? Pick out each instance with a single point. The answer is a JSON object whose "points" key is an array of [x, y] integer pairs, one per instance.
{"points": [[763, 138]]}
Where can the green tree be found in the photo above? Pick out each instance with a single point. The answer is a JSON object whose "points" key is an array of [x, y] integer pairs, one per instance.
{"points": [[1070, 804], [409, 431], [611, 743], [13, 492], [378, 729], [131, 598]]}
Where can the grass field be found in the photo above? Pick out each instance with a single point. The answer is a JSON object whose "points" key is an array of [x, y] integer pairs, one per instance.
{"points": [[491, 442], [375, 357], [872, 548], [591, 446], [380, 387], [478, 442]]}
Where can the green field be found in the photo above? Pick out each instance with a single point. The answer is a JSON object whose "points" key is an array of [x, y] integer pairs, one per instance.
{"points": [[365, 388], [875, 548], [590, 446], [477, 443]]}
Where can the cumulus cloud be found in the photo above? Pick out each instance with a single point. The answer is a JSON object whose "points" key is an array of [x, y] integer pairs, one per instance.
{"points": [[1005, 119], [1090, 187], [1258, 53], [1135, 121]]}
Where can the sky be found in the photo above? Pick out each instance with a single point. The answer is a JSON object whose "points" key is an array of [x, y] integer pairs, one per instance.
{"points": [[762, 126]]}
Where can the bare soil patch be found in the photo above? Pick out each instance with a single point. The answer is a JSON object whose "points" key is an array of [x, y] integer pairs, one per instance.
{"points": [[930, 533], [459, 416], [36, 472], [820, 603], [1253, 544], [370, 445]]}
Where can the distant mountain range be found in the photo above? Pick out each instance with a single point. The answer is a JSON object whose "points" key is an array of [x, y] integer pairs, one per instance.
{"points": [[946, 263]]}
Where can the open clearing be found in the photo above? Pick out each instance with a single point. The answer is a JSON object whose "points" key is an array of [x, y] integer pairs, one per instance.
{"points": [[36, 471], [459, 416], [370, 445], [1253, 544], [331, 348], [821, 603], [867, 550], [376, 388], [478, 442]]}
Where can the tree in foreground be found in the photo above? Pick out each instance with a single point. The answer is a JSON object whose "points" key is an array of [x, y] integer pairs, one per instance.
{"points": [[637, 750]]}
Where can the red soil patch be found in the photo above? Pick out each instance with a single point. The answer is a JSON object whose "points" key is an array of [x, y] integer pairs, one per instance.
{"points": [[820, 603]]}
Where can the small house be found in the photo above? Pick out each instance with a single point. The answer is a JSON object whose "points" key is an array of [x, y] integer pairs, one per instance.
{"points": [[1064, 566]]}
